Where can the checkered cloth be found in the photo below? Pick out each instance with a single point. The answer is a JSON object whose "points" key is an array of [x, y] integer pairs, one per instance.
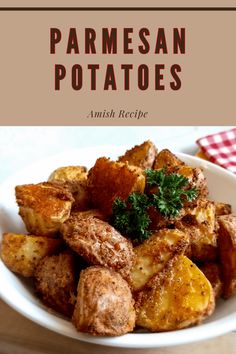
{"points": [[220, 148]]}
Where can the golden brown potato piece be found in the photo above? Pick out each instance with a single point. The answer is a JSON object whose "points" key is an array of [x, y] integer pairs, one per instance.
{"points": [[178, 297], [201, 214], [99, 243], [227, 249], [142, 156], [43, 207], [21, 253], [108, 180], [165, 158], [95, 213], [154, 253], [213, 273], [222, 209], [196, 179], [104, 304], [68, 173], [55, 282], [74, 179]]}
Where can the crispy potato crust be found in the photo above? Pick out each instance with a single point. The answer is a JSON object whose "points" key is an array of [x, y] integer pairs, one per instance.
{"points": [[227, 249], [104, 304], [106, 182], [69, 173], [222, 208], [153, 255], [22, 253], [142, 156], [99, 243], [176, 298], [55, 282], [43, 207]]}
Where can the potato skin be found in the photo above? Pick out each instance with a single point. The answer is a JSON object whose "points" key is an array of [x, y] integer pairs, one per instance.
{"points": [[22, 253], [227, 250], [68, 173], [213, 273], [176, 298], [43, 207], [104, 304], [55, 282], [106, 182], [154, 253], [99, 243], [142, 156]]}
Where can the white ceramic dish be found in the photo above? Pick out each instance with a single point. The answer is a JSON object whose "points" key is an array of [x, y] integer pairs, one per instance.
{"points": [[18, 293]]}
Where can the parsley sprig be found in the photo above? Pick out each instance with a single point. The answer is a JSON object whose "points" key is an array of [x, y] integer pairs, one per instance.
{"points": [[131, 217]]}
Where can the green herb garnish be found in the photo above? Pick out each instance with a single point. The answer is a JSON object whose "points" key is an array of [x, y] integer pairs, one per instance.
{"points": [[131, 217]]}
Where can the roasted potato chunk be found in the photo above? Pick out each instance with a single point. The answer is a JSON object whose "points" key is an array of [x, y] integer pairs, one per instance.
{"points": [[175, 298], [213, 273], [43, 207], [106, 182], [142, 156], [104, 304], [55, 282], [74, 179], [196, 179], [222, 209], [202, 214], [22, 253], [154, 253], [227, 249], [165, 158], [99, 243], [68, 173]]}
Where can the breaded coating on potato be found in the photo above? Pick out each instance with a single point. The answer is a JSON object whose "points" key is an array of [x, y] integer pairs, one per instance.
{"points": [[95, 213], [154, 253], [43, 207], [22, 253], [213, 273], [104, 304], [74, 179], [222, 208], [201, 214], [165, 158], [55, 282], [142, 156], [227, 250], [108, 180], [175, 298], [99, 243]]}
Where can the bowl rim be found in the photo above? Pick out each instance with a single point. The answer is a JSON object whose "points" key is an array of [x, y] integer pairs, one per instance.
{"points": [[131, 340]]}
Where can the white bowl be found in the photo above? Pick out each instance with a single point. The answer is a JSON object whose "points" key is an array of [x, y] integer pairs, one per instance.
{"points": [[18, 292]]}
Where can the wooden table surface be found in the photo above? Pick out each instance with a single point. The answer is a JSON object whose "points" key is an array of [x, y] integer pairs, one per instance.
{"points": [[18, 335]]}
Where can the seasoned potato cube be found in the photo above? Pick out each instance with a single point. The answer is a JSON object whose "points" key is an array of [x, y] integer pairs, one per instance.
{"points": [[74, 179], [213, 273], [222, 209], [43, 207], [108, 180], [175, 298], [104, 303], [55, 282], [165, 158], [98, 243], [68, 173], [227, 249], [154, 253], [95, 213], [196, 179], [202, 214], [21, 253], [142, 156]]}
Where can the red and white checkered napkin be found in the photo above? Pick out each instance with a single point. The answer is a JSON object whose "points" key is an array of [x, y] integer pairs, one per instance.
{"points": [[220, 148]]}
